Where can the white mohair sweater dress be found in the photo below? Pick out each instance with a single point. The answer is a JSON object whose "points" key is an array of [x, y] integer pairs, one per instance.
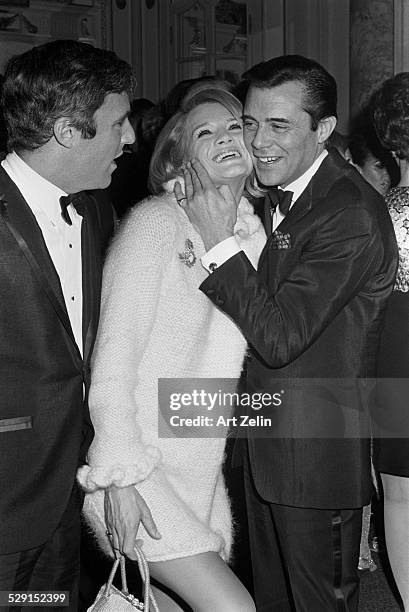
{"points": [[156, 323]]}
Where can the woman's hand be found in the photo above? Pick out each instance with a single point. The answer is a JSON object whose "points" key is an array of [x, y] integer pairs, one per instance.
{"points": [[125, 508], [211, 210]]}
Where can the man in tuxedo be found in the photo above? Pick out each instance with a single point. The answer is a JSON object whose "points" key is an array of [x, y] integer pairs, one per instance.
{"points": [[66, 107], [311, 315]]}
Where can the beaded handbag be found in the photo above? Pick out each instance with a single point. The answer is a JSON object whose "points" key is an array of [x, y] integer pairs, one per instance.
{"points": [[111, 599]]}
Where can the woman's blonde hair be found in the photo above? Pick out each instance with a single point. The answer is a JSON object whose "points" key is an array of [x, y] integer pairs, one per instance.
{"points": [[172, 146]]}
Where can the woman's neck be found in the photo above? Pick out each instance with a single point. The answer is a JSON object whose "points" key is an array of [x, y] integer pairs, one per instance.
{"points": [[404, 173], [237, 187]]}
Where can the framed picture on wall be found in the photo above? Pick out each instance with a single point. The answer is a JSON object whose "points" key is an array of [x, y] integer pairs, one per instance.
{"points": [[82, 2], [15, 2]]}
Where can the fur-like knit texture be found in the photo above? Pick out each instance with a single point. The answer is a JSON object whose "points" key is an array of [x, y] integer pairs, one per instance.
{"points": [[155, 323]]}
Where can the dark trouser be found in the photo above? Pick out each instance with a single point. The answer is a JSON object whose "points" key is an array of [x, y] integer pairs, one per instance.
{"points": [[52, 566], [303, 559]]}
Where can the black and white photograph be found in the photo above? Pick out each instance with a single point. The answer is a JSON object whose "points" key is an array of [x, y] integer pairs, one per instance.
{"points": [[204, 312]]}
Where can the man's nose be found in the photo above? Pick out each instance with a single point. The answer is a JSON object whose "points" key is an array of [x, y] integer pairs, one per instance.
{"points": [[128, 134], [261, 139]]}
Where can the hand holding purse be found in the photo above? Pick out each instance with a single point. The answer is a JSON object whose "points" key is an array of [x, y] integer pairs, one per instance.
{"points": [[111, 599]]}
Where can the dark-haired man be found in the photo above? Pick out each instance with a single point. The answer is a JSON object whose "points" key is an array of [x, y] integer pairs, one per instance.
{"points": [[311, 311], [66, 108]]}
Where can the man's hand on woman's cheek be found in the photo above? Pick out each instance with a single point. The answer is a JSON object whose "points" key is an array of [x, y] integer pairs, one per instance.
{"points": [[211, 210]]}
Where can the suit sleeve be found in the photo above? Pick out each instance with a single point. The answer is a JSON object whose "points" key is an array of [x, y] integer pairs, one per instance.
{"points": [[333, 267], [133, 274]]}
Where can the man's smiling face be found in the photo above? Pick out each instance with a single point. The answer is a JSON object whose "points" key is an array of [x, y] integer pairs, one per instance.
{"points": [[278, 133]]}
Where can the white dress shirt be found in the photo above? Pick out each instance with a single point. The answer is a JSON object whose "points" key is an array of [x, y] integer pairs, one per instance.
{"points": [[223, 251], [63, 241]]}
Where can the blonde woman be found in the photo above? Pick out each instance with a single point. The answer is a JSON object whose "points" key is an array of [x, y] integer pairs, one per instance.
{"points": [[155, 323]]}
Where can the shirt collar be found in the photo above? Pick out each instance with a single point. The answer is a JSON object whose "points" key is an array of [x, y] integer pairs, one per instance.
{"points": [[39, 193], [299, 185]]}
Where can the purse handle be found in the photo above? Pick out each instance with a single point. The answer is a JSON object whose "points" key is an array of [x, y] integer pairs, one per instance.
{"points": [[148, 596]]}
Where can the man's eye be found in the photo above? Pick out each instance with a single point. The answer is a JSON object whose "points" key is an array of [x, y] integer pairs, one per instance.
{"points": [[249, 125]]}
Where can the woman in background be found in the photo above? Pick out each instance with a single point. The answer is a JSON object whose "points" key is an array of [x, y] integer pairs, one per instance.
{"points": [[155, 323], [373, 161], [391, 457]]}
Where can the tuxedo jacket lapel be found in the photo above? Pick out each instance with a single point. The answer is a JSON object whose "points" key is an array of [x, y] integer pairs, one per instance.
{"points": [[298, 210], [328, 172], [91, 276], [23, 226], [331, 168], [267, 215]]}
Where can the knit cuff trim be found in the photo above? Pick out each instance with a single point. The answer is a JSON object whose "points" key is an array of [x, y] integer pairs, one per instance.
{"points": [[100, 477]]}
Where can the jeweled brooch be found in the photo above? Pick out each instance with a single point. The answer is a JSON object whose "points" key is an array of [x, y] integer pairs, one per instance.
{"points": [[188, 256]]}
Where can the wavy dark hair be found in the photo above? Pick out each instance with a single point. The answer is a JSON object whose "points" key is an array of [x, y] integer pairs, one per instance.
{"points": [[320, 88], [390, 111], [364, 143], [62, 78]]}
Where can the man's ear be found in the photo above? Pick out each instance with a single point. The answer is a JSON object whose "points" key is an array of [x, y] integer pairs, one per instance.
{"points": [[64, 132], [325, 128]]}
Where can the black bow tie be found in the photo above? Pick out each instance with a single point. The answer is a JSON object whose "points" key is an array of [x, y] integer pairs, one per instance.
{"points": [[280, 198], [78, 200]]}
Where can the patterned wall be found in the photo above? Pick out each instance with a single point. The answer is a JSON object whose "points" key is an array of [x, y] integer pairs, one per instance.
{"points": [[22, 27], [371, 60]]}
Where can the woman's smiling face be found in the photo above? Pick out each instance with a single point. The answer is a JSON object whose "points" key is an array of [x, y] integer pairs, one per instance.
{"points": [[216, 140], [376, 173]]}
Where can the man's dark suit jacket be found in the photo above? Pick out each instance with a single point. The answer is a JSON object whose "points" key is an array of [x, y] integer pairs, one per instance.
{"points": [[313, 311], [45, 428]]}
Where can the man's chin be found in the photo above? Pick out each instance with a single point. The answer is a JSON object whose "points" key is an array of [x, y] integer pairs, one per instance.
{"points": [[105, 182], [96, 186], [266, 180]]}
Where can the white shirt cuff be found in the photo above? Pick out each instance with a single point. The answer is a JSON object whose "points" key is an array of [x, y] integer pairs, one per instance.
{"points": [[220, 253]]}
